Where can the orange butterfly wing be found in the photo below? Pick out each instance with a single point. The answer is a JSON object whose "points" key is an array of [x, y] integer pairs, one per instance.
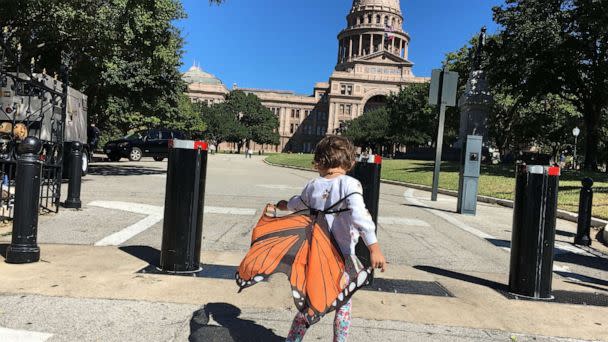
{"points": [[307, 253], [276, 243]]}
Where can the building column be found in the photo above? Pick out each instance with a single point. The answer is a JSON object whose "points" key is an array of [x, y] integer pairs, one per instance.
{"points": [[360, 44], [371, 43], [350, 48], [406, 50], [402, 48], [393, 44], [382, 46]]}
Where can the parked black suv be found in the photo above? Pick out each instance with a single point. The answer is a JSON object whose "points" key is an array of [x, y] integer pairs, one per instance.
{"points": [[151, 143]]}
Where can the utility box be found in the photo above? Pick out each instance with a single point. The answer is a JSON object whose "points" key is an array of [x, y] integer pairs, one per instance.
{"points": [[470, 166]]}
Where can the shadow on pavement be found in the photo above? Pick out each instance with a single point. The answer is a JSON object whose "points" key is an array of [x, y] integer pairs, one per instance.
{"points": [[231, 327], [146, 253], [124, 170], [583, 260], [463, 277]]}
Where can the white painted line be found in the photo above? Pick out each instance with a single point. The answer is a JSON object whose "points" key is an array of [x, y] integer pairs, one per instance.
{"points": [[408, 194], [565, 248], [230, 211], [126, 234], [154, 215], [22, 335], [402, 222], [137, 208]]}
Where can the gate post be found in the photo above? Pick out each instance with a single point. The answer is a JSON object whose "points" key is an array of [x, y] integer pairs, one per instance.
{"points": [[75, 174], [23, 248]]}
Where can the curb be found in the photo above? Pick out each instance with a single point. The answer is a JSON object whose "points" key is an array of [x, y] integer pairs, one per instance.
{"points": [[562, 214]]}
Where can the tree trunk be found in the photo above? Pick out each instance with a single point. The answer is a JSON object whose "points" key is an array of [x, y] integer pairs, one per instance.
{"points": [[592, 137]]}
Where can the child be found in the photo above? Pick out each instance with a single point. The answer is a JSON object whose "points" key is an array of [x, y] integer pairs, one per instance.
{"points": [[334, 157]]}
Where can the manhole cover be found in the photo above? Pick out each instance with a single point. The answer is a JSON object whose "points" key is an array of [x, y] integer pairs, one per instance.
{"points": [[416, 287]]}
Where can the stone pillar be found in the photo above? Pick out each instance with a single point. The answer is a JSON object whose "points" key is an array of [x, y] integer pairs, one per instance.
{"points": [[393, 45], [406, 50], [360, 45], [371, 43], [350, 48], [382, 44]]}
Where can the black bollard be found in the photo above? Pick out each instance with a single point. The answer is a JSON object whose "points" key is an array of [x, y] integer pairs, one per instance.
{"points": [[367, 170], [75, 174], [533, 236], [23, 248], [184, 203], [585, 207]]}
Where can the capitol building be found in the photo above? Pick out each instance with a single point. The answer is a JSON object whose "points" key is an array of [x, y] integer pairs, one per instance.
{"points": [[372, 63]]}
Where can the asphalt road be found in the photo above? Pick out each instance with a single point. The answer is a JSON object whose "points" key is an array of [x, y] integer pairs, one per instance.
{"points": [[123, 206]]}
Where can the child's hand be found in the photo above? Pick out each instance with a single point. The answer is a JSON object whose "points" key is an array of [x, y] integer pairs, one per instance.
{"points": [[282, 205], [376, 257]]}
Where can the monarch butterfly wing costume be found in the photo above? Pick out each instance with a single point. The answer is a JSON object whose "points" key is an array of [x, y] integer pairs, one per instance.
{"points": [[301, 246]]}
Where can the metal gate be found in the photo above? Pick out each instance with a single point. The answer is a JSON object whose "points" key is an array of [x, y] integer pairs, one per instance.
{"points": [[31, 104]]}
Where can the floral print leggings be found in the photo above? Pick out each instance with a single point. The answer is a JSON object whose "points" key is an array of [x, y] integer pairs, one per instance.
{"points": [[342, 321], [341, 325]]}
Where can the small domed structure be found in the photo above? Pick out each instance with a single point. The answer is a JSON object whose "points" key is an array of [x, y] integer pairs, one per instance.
{"points": [[196, 75]]}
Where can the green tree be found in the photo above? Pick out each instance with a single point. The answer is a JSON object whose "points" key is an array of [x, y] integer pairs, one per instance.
{"points": [[517, 121], [124, 54], [371, 129], [412, 120], [260, 125], [222, 125], [556, 47]]}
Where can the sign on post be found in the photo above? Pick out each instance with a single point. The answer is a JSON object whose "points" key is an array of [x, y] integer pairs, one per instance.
{"points": [[444, 84]]}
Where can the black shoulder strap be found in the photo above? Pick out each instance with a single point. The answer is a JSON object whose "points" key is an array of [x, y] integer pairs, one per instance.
{"points": [[340, 201]]}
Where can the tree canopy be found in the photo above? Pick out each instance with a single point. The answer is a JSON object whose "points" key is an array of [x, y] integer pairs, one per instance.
{"points": [[555, 48], [124, 54]]}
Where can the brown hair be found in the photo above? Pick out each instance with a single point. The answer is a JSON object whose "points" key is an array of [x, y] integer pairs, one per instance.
{"points": [[334, 151]]}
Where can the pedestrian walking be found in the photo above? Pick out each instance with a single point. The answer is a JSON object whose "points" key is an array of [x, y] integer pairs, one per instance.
{"points": [[323, 280], [93, 134], [249, 153]]}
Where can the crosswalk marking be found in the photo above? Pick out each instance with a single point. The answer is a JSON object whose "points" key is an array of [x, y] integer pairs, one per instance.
{"points": [[154, 214], [23, 335]]}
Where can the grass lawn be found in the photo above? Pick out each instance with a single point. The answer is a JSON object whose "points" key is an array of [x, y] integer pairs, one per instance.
{"points": [[495, 181]]}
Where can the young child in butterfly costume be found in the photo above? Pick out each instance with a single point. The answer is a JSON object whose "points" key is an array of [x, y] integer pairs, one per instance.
{"points": [[315, 246]]}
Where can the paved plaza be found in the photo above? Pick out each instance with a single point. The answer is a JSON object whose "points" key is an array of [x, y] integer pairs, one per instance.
{"points": [[446, 278]]}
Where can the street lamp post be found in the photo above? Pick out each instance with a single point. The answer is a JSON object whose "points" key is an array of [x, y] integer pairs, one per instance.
{"points": [[576, 132]]}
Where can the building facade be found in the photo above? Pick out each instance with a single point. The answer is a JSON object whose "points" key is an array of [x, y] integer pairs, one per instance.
{"points": [[372, 63]]}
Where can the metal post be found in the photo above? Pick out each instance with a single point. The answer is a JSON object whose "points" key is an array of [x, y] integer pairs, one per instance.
{"points": [[533, 236], [438, 151], [585, 206], [367, 171], [575, 145], [23, 248], [184, 203], [75, 174]]}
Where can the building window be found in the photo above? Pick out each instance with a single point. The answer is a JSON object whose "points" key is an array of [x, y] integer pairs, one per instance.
{"points": [[349, 90], [298, 113], [369, 19], [348, 109], [378, 19], [291, 128], [385, 21], [293, 113], [343, 89], [341, 109]]}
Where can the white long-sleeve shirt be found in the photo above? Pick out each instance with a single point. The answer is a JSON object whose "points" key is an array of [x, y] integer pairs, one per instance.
{"points": [[347, 226]]}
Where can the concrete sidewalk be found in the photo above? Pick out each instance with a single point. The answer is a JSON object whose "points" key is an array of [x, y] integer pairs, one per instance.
{"points": [[88, 275]]}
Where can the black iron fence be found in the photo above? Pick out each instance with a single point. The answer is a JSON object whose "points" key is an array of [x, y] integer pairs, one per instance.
{"points": [[31, 104]]}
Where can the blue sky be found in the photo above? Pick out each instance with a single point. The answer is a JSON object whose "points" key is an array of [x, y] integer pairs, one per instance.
{"points": [[290, 44]]}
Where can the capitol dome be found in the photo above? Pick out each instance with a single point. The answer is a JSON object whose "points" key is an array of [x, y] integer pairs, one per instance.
{"points": [[196, 75], [392, 4]]}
